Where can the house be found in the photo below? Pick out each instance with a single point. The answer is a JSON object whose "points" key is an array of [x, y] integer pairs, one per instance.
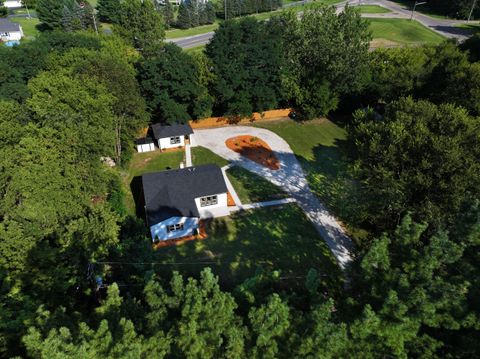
{"points": [[177, 200], [12, 4], [172, 136], [145, 144], [10, 31]]}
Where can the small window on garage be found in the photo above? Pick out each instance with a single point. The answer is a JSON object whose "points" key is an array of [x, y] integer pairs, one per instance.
{"points": [[208, 201], [175, 140]]}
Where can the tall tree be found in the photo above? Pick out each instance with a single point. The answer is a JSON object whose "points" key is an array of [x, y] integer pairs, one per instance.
{"points": [[168, 14], [420, 157], [109, 10], [141, 25], [50, 13], [328, 55], [246, 57], [170, 83]]}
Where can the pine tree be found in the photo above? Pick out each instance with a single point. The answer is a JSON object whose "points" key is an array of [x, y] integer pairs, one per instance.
{"points": [[108, 10], [168, 14], [50, 13], [210, 12], [193, 9], [183, 18]]}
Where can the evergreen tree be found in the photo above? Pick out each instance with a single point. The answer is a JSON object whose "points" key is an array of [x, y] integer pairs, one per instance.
{"points": [[109, 10], [50, 12], [184, 20], [168, 13]]}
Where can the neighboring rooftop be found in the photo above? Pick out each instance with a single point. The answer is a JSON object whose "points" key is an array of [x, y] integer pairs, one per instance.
{"points": [[8, 26], [163, 130], [172, 193]]}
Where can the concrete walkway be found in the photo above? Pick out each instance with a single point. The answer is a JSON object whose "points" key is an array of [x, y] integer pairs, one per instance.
{"points": [[230, 188], [188, 156], [290, 177], [277, 202]]}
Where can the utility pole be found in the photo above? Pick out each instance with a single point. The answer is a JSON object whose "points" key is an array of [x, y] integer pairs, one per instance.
{"points": [[471, 10], [414, 6], [225, 6]]}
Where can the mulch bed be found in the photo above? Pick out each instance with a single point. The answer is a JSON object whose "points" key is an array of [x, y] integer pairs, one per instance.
{"points": [[255, 149]]}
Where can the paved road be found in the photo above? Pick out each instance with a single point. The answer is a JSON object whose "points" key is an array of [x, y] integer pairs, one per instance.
{"points": [[446, 28], [290, 177]]}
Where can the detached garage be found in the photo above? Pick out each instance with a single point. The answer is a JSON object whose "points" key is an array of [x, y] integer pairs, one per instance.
{"points": [[145, 145]]}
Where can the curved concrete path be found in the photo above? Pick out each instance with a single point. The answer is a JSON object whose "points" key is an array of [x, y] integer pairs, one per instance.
{"points": [[290, 177]]}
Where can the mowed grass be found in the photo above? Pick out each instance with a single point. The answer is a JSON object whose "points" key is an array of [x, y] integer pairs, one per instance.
{"points": [[252, 188], [272, 239], [177, 33], [321, 146], [142, 163], [403, 31], [372, 9], [29, 26], [202, 156]]}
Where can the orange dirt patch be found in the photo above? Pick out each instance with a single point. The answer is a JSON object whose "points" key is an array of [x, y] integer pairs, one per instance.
{"points": [[254, 149], [202, 234], [230, 200], [271, 115]]}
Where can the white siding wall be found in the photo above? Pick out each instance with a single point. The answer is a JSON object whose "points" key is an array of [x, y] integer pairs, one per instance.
{"points": [[160, 229], [148, 147], [12, 3], [164, 143], [218, 210], [11, 36]]}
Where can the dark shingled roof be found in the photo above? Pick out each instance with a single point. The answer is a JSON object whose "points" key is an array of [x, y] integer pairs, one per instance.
{"points": [[172, 193], [8, 26], [162, 130], [144, 141]]}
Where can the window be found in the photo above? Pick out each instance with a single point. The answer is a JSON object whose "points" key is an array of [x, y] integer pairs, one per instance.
{"points": [[174, 140], [208, 201], [175, 227]]}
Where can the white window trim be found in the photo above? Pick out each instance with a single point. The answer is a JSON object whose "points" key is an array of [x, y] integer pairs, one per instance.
{"points": [[175, 227], [208, 201], [175, 140]]}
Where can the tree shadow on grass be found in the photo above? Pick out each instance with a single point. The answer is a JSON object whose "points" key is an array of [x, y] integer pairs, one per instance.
{"points": [[330, 177], [280, 239], [137, 192]]}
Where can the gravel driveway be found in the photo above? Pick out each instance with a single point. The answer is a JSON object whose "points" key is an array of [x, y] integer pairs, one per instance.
{"points": [[290, 177]]}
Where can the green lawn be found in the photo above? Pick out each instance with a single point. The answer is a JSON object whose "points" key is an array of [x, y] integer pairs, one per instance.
{"points": [[253, 188], [320, 146], [472, 28], [28, 25], [176, 33], [202, 155], [142, 163], [403, 31], [372, 9], [272, 239], [195, 49]]}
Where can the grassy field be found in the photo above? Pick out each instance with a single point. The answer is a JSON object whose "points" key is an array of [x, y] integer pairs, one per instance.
{"points": [[176, 33], [272, 239], [252, 188], [142, 163], [320, 146], [403, 31], [372, 9], [202, 155], [29, 26]]}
